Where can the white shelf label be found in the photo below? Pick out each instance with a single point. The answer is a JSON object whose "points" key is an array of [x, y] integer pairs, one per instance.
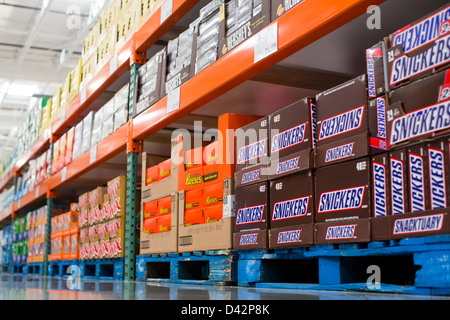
{"points": [[93, 154], [63, 174], [266, 42], [113, 64], [63, 115], [19, 203], [166, 10], [83, 95], [37, 192], [173, 100], [229, 206]]}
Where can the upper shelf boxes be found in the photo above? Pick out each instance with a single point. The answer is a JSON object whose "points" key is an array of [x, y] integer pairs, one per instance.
{"points": [[242, 19]]}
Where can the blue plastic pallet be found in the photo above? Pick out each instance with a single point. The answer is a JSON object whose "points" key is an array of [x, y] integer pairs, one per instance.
{"points": [[34, 268], [59, 268], [18, 268], [104, 269], [411, 266], [216, 267]]}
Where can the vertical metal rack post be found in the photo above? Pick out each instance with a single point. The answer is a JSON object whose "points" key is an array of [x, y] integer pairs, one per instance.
{"points": [[133, 150]]}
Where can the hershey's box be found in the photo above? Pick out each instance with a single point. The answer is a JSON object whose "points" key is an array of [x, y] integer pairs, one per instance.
{"points": [[419, 49], [280, 7], [342, 123], [240, 20], [419, 110]]}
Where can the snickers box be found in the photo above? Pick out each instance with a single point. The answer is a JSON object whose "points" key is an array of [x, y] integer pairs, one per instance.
{"points": [[438, 173], [417, 177], [292, 210], [252, 144], [342, 122], [252, 222], [343, 191], [413, 224], [292, 138], [419, 110], [376, 85], [242, 19], [380, 185], [377, 124], [251, 175], [280, 7], [419, 49], [399, 181]]}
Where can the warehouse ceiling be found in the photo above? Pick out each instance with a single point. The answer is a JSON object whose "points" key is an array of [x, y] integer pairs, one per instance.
{"points": [[40, 43]]}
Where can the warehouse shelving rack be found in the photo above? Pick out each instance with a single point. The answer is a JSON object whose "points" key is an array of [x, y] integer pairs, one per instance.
{"points": [[318, 19]]}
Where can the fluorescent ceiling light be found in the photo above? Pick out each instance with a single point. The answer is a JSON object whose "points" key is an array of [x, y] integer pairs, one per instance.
{"points": [[22, 90]]}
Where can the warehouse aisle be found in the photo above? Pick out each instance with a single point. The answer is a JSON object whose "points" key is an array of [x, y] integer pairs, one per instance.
{"points": [[33, 287]]}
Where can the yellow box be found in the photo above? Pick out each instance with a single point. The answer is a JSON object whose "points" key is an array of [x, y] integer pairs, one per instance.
{"points": [[91, 41], [56, 104], [89, 68], [128, 23], [107, 46], [75, 80], [121, 7], [108, 18]]}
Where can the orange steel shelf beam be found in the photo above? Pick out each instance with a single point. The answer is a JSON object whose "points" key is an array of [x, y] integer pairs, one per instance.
{"points": [[153, 29], [106, 149], [299, 27]]}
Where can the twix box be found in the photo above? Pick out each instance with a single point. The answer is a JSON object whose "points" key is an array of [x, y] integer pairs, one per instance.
{"points": [[117, 192]]}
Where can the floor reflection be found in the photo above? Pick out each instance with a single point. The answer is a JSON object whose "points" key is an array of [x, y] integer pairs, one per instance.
{"points": [[34, 287]]}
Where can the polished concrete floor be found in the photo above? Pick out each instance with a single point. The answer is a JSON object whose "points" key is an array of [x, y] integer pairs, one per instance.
{"points": [[34, 287]]}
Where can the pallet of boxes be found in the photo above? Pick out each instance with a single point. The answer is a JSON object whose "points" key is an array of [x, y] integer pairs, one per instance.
{"points": [[192, 207], [411, 186], [102, 221]]}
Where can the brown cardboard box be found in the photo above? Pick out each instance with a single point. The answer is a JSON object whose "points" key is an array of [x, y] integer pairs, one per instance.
{"points": [[343, 191], [95, 197], [399, 181], [419, 110], [418, 186], [291, 236], [232, 37], [414, 53], [280, 7], [439, 173], [380, 182], [348, 231], [411, 225], [163, 187], [343, 132], [292, 131], [162, 242], [215, 235], [117, 191]]}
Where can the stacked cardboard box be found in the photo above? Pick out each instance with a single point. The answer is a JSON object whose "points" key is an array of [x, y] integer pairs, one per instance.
{"points": [[102, 221], [206, 36], [149, 82], [36, 225], [243, 18], [65, 235]]}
